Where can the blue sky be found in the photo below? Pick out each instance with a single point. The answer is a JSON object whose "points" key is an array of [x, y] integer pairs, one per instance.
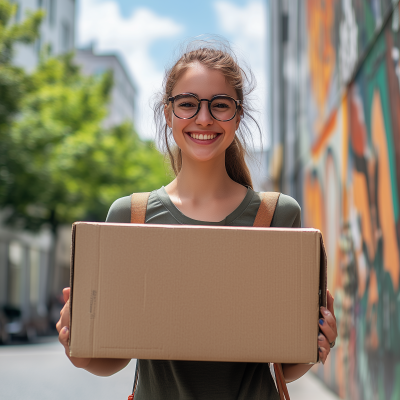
{"points": [[147, 33]]}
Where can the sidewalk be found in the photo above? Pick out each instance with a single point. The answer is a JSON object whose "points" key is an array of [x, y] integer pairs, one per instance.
{"points": [[310, 387], [42, 372]]}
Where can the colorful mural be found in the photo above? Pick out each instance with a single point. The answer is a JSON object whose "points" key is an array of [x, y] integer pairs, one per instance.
{"points": [[351, 186], [347, 143]]}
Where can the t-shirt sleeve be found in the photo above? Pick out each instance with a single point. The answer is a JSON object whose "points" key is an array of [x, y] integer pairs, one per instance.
{"points": [[120, 211], [287, 213]]}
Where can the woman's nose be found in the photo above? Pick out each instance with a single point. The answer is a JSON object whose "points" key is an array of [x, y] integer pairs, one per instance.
{"points": [[204, 117]]}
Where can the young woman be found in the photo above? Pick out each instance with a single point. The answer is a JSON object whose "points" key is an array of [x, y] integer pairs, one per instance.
{"points": [[205, 111]]}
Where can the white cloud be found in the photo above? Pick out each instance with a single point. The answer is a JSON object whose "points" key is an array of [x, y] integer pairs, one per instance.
{"points": [[101, 22], [246, 28]]}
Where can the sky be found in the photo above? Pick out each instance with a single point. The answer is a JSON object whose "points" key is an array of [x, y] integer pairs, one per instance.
{"points": [[147, 35]]}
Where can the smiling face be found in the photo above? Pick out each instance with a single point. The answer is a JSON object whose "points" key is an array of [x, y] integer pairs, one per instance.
{"points": [[202, 137]]}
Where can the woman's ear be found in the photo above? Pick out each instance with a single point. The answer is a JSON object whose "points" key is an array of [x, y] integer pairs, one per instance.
{"points": [[167, 114], [238, 118]]}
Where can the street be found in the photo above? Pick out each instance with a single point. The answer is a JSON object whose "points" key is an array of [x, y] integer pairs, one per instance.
{"points": [[42, 372]]}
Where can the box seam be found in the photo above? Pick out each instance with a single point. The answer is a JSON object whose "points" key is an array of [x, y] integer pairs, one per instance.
{"points": [[71, 279]]}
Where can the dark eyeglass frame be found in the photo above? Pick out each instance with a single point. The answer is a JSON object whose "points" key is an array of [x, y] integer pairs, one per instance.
{"points": [[238, 104]]}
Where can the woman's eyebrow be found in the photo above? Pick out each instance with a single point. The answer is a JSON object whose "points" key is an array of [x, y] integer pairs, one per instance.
{"points": [[218, 94]]}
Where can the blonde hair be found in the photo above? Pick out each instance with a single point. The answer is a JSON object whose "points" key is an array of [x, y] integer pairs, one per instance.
{"points": [[216, 56]]}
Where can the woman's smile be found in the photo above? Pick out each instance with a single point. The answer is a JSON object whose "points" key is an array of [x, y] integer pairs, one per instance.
{"points": [[203, 137]]}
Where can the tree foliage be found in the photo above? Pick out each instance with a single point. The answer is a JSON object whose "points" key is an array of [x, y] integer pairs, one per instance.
{"points": [[61, 164], [13, 80]]}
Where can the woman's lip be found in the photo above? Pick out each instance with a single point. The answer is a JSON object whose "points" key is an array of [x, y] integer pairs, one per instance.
{"points": [[199, 141]]}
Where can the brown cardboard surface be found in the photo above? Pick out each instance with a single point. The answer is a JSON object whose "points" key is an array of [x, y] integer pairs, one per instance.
{"points": [[196, 292]]}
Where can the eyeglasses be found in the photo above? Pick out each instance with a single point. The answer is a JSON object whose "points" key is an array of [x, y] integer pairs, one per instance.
{"points": [[187, 105]]}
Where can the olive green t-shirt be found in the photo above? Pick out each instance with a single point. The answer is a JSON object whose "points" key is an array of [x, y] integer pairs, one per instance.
{"points": [[200, 380]]}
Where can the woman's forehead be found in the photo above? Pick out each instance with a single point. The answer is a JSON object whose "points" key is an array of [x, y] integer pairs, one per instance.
{"points": [[204, 82]]}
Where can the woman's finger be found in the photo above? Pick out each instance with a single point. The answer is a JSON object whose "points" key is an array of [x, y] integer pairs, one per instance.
{"points": [[64, 318], [66, 293], [62, 310], [330, 301], [323, 353], [322, 341], [63, 338], [329, 318], [327, 330]]}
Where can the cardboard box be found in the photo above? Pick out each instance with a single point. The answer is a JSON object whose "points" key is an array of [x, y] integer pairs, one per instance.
{"points": [[196, 293]]}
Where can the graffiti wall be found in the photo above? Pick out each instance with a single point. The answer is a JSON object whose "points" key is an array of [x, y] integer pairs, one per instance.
{"points": [[350, 163]]}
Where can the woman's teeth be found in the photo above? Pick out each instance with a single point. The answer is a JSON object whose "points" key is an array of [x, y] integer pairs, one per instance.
{"points": [[202, 137]]}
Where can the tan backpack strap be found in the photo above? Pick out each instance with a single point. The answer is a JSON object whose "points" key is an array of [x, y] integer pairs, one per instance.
{"points": [[266, 211], [139, 207], [281, 383]]}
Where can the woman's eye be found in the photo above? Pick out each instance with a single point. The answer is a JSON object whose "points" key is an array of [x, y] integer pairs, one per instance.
{"points": [[186, 105], [220, 105]]}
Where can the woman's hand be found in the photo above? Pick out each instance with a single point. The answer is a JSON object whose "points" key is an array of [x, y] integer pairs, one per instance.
{"points": [[328, 334], [63, 332], [98, 366]]}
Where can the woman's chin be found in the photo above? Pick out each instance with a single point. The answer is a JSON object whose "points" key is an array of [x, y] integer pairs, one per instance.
{"points": [[203, 155]]}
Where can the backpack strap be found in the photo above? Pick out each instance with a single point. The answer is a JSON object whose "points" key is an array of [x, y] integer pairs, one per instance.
{"points": [[263, 219], [266, 211], [139, 207], [281, 383]]}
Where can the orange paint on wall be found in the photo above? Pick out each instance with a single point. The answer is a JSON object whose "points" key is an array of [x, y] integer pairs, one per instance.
{"points": [[391, 256], [321, 50], [357, 125], [313, 204], [373, 294], [329, 129]]}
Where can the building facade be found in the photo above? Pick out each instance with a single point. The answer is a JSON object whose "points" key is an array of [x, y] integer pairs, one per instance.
{"points": [[57, 30], [122, 101], [335, 134]]}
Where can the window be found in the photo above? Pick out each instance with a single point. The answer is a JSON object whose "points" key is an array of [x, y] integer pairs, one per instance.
{"points": [[99, 71], [14, 284], [40, 3], [52, 12], [34, 258], [65, 36], [38, 45]]}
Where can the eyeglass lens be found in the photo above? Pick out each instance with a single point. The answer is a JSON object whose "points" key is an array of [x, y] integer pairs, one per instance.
{"points": [[222, 108]]}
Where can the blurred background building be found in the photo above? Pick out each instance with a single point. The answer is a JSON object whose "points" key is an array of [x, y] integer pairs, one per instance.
{"points": [[57, 30], [335, 147], [123, 95]]}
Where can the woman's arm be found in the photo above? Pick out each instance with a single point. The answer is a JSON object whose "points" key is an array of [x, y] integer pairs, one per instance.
{"points": [[327, 336], [96, 366], [292, 372], [120, 212]]}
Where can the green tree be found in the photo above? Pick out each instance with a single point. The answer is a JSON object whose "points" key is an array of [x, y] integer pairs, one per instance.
{"points": [[65, 166], [57, 162], [13, 80]]}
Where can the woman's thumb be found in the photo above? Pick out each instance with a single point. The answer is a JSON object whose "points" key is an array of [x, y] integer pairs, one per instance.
{"points": [[64, 336], [66, 293]]}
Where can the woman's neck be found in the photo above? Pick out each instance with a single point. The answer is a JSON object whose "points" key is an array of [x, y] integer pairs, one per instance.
{"points": [[203, 191], [202, 180]]}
